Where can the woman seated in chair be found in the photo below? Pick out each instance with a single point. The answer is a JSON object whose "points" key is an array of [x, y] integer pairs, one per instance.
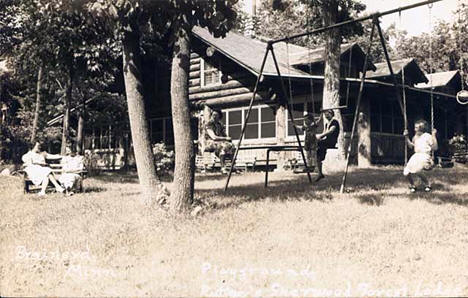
{"points": [[326, 140], [72, 164], [37, 169], [216, 140]]}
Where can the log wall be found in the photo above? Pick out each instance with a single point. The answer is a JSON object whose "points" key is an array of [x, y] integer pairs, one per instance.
{"points": [[236, 88]]}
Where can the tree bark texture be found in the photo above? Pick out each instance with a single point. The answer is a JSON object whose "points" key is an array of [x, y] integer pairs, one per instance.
{"points": [[66, 112], [38, 105], [136, 111], [331, 87], [79, 133], [182, 191]]}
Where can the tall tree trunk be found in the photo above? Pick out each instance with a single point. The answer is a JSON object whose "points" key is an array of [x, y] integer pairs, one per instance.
{"points": [[182, 192], [136, 111], [331, 87], [38, 105], [79, 133], [66, 112]]}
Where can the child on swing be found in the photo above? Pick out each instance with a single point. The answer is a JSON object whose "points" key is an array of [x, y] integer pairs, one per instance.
{"points": [[424, 144], [310, 143]]}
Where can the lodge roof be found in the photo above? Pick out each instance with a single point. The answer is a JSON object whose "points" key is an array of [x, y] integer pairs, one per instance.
{"points": [[440, 79], [249, 53], [413, 72], [307, 56]]}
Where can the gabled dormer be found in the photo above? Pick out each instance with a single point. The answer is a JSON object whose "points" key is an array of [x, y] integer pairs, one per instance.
{"points": [[413, 74], [351, 61]]}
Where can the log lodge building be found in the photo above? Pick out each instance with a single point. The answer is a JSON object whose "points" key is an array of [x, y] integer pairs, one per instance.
{"points": [[223, 72]]}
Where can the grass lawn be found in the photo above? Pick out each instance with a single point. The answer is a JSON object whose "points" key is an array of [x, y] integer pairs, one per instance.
{"points": [[292, 239]]}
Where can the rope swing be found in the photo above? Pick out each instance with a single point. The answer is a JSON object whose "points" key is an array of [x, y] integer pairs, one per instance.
{"points": [[310, 63], [431, 70], [289, 77], [405, 115]]}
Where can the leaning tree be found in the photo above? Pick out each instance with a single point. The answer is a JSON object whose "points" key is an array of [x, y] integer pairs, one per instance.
{"points": [[218, 17]]}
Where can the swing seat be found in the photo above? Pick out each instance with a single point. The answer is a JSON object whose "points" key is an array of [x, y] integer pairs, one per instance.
{"points": [[462, 97]]}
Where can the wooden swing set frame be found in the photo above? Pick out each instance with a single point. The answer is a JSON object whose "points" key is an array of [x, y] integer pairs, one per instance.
{"points": [[288, 97]]}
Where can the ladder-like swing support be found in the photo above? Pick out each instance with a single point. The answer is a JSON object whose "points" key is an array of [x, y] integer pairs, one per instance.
{"points": [[376, 23], [285, 101], [358, 103], [375, 17]]}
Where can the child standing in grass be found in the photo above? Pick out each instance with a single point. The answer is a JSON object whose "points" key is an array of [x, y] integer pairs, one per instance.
{"points": [[310, 144], [424, 144]]}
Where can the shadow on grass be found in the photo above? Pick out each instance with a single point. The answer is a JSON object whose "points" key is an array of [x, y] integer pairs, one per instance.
{"points": [[294, 188], [93, 189], [371, 199], [117, 177], [442, 198], [200, 177], [373, 181]]}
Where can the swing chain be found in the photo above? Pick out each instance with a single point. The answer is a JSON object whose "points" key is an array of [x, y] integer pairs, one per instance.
{"points": [[289, 74], [405, 115], [431, 63], [462, 95]]}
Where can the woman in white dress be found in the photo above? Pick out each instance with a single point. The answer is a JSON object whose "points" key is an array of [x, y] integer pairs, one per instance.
{"points": [[72, 164], [423, 144], [37, 169]]}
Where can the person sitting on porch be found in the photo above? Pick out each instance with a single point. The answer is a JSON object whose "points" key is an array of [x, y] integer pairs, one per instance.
{"points": [[72, 164], [37, 170], [216, 140], [326, 140]]}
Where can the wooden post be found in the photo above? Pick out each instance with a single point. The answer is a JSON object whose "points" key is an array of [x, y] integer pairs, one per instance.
{"points": [[364, 134], [280, 119], [459, 124], [202, 121], [466, 119]]}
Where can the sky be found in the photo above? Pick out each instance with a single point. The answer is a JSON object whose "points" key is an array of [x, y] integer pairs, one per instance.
{"points": [[414, 21]]}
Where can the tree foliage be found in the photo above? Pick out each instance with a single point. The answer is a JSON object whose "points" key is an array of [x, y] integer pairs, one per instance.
{"points": [[65, 42], [447, 44], [281, 18]]}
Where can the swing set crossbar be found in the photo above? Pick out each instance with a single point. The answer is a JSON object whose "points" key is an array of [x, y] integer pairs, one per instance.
{"points": [[375, 15]]}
